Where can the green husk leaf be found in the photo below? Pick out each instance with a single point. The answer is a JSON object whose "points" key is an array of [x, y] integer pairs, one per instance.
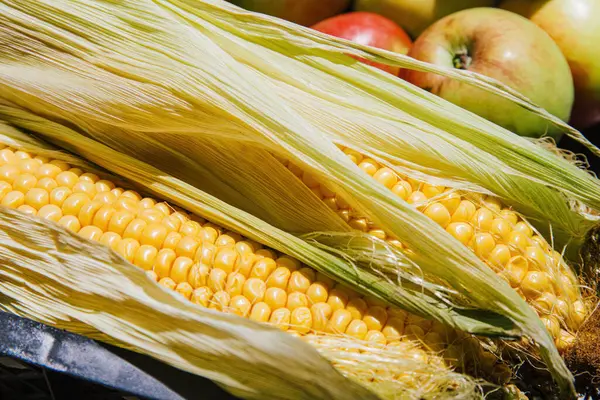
{"points": [[203, 75]]}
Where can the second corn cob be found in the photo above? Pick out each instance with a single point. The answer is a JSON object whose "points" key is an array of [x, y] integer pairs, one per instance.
{"points": [[498, 235]]}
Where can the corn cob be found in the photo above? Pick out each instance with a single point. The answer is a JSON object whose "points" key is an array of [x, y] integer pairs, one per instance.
{"points": [[222, 270], [499, 236]]}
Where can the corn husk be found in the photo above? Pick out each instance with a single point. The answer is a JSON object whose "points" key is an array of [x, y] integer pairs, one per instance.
{"points": [[52, 275], [209, 92]]}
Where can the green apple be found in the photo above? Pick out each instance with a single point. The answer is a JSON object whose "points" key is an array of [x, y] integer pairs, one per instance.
{"points": [[575, 27], [303, 12], [504, 46], [416, 15]]}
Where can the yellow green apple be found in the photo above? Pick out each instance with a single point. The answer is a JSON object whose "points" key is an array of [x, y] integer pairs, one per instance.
{"points": [[416, 15], [505, 46], [303, 12], [575, 27]]}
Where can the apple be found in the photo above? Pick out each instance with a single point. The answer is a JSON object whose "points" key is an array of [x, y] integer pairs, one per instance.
{"points": [[416, 15], [506, 47], [574, 26], [368, 29], [302, 12]]}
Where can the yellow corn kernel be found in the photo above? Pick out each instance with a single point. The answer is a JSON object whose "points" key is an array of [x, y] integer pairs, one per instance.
{"points": [[50, 212], [301, 280], [281, 318], [126, 247], [534, 284], [338, 299], [70, 222], [154, 234], [202, 296], [220, 301], [125, 203], [198, 276], [465, 211], [151, 215], [402, 189], [578, 313], [317, 293], [172, 240], [393, 329], [132, 195], [357, 329], [370, 166], [565, 340], [339, 321], [209, 234], [518, 242], [185, 289], [13, 199], [545, 303], [552, 325], [462, 231], [483, 244], [181, 268], [375, 318], [164, 260], [48, 184], [145, 257], [239, 305], [279, 278], [187, 247], [276, 298], [235, 283], [375, 337], [483, 219], [120, 221], [66, 179], [146, 203], [216, 279], [24, 182], [254, 290], [263, 268], [301, 320], [261, 312], [85, 187], [87, 212], [516, 270], [27, 210], [357, 307], [321, 312], [104, 186], [386, 177], [168, 283], [451, 200], [417, 198], [501, 228], [296, 299], [439, 213], [103, 217]]}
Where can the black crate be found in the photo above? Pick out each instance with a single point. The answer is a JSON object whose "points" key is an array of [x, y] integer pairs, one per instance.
{"points": [[41, 362]]}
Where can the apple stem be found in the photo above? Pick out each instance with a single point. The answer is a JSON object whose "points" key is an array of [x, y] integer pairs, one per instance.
{"points": [[462, 60]]}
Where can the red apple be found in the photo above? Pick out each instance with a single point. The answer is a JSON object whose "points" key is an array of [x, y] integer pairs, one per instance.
{"points": [[302, 12], [416, 15], [504, 46], [575, 27], [368, 29]]}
